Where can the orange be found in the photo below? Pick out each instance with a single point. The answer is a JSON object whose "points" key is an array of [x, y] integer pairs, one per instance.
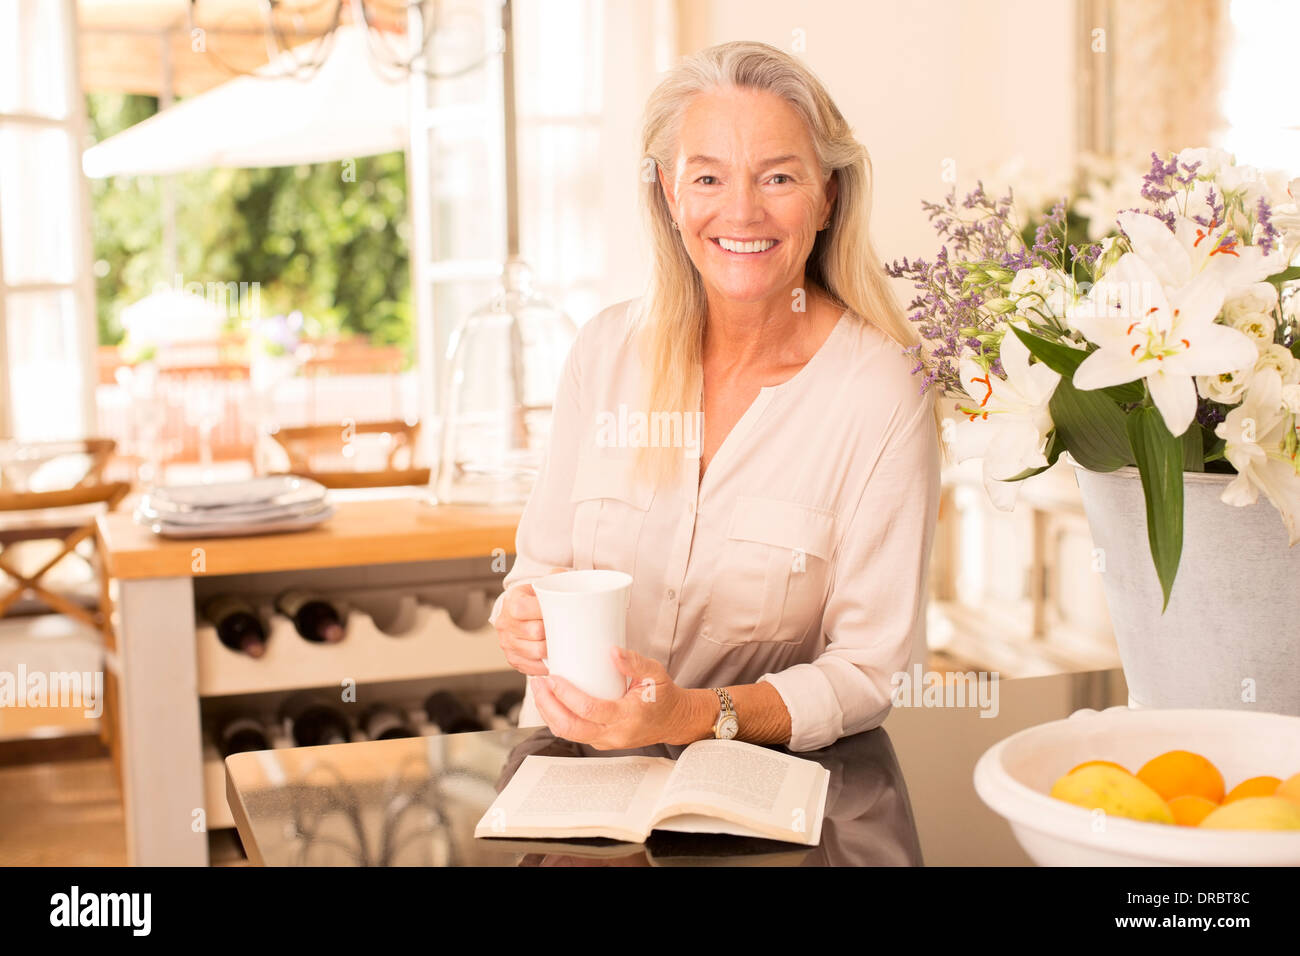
{"points": [[1189, 810], [1290, 788], [1101, 763], [1254, 787], [1180, 772]]}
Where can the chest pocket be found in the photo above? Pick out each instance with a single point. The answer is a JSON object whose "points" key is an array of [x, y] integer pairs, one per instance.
{"points": [[771, 582], [610, 507]]}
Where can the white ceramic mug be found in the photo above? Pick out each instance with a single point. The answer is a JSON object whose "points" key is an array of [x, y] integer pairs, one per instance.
{"points": [[585, 615]]}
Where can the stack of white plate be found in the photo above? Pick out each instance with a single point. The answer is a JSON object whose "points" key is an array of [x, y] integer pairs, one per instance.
{"points": [[256, 506]]}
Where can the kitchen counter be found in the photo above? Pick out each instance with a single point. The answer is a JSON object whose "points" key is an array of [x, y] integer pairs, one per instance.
{"points": [[900, 795], [373, 531], [162, 664]]}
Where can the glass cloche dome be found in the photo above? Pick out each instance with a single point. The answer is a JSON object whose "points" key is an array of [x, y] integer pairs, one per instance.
{"points": [[503, 365]]}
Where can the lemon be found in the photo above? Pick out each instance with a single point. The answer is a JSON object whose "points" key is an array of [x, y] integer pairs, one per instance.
{"points": [[1116, 792], [1255, 813]]}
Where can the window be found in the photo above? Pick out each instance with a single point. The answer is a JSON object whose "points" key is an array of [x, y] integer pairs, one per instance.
{"points": [[47, 328], [582, 71], [1263, 119]]}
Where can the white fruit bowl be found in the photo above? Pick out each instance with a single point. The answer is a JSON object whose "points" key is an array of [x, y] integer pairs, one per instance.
{"points": [[1015, 776]]}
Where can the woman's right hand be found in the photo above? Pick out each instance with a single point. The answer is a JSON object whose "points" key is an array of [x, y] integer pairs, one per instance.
{"points": [[520, 631]]}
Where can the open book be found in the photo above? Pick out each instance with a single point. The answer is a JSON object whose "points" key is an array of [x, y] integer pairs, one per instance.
{"points": [[715, 786]]}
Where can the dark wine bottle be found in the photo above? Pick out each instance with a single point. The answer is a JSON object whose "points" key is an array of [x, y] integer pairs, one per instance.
{"points": [[386, 722], [505, 711], [313, 616], [449, 715], [241, 734], [313, 723], [238, 624]]}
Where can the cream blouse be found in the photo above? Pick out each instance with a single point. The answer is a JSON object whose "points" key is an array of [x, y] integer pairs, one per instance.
{"points": [[801, 557]]}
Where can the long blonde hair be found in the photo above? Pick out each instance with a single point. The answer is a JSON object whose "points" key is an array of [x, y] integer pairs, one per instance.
{"points": [[843, 263]]}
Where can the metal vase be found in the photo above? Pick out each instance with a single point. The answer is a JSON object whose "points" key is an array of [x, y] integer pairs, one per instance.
{"points": [[1230, 637]]}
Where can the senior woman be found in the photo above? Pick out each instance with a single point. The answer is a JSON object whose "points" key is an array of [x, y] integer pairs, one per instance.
{"points": [[779, 557]]}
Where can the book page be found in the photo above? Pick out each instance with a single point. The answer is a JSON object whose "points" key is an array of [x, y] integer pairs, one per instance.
{"points": [[767, 793], [578, 797]]}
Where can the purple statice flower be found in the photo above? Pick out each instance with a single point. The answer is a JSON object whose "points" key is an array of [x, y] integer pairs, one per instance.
{"points": [[1269, 237], [1086, 254], [1163, 215], [948, 309], [1217, 214], [1046, 245], [1155, 184], [1209, 413], [1189, 173], [1056, 215], [1016, 260]]}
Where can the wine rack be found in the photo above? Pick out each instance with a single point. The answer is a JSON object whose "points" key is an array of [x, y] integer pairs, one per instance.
{"points": [[478, 696], [419, 638], [406, 635]]}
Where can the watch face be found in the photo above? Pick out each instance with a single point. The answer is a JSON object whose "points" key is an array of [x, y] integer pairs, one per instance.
{"points": [[728, 727]]}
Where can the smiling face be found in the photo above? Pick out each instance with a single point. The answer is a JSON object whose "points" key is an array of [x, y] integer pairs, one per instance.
{"points": [[747, 194]]}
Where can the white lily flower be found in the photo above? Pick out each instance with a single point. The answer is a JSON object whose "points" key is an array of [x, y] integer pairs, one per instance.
{"points": [[1191, 250], [1260, 442], [1007, 420], [1165, 336]]}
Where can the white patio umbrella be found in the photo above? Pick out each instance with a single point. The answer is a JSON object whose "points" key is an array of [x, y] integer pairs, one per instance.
{"points": [[346, 109], [168, 315]]}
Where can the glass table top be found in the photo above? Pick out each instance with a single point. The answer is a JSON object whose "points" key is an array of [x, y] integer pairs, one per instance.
{"points": [[899, 795]]}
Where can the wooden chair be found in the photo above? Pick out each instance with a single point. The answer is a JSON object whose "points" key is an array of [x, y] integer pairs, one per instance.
{"points": [[67, 515], [303, 443], [387, 478]]}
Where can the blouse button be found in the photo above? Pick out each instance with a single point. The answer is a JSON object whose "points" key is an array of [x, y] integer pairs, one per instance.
{"points": [[671, 594]]}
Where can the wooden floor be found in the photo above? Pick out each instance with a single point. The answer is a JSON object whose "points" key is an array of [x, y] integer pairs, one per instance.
{"points": [[64, 813]]}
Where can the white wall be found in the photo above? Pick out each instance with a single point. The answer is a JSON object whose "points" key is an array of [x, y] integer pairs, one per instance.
{"points": [[977, 81]]}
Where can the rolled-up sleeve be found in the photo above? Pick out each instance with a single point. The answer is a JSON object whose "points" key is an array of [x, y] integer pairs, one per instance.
{"points": [[544, 537], [876, 604]]}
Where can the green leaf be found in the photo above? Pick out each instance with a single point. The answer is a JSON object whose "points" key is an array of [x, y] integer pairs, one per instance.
{"points": [[1058, 357], [1127, 394], [1091, 427], [1295, 348], [1286, 275], [1160, 461], [1193, 441], [1065, 361]]}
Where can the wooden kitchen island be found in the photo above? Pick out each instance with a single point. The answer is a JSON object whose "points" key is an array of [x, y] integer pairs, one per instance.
{"points": [[416, 580]]}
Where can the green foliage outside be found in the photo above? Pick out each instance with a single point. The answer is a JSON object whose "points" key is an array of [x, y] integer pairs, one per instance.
{"points": [[334, 249]]}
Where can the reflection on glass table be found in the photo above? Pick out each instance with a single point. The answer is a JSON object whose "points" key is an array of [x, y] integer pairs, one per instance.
{"points": [[899, 795]]}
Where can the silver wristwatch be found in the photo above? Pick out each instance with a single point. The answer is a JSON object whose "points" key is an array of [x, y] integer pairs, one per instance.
{"points": [[727, 725]]}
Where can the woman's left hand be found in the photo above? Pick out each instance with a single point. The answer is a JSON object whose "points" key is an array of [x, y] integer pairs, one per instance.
{"points": [[653, 711]]}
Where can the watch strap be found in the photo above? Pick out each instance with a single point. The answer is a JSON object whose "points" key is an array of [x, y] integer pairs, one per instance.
{"points": [[726, 708]]}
